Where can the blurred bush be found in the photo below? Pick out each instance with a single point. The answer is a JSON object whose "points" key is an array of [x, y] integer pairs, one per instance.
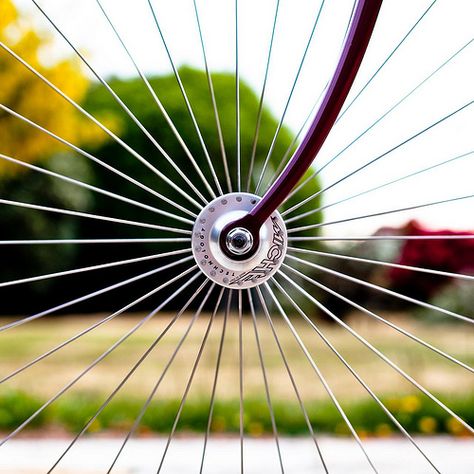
{"points": [[32, 187], [23, 92], [418, 414], [455, 256], [457, 297]]}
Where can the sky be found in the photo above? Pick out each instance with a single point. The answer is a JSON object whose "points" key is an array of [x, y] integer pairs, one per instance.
{"points": [[445, 29]]}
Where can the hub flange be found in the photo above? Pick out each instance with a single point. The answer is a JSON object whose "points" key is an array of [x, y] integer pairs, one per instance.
{"points": [[229, 266]]}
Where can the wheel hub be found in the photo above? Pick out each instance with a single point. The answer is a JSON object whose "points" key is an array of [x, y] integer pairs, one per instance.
{"points": [[231, 261]]}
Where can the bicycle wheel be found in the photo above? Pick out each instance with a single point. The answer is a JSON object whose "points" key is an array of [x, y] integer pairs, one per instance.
{"points": [[258, 317]]}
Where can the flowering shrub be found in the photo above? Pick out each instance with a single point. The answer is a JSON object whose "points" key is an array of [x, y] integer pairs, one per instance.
{"points": [[441, 254]]}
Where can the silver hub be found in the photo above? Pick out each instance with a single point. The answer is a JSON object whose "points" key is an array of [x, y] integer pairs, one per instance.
{"points": [[241, 272], [239, 241]]}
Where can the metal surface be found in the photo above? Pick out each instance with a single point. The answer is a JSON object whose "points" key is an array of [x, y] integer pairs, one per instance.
{"points": [[232, 268], [354, 49]]}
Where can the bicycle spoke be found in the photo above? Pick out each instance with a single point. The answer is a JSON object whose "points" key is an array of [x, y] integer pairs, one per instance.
{"points": [[261, 100], [382, 213], [386, 60], [216, 376], [241, 382], [380, 186], [86, 297], [237, 99], [190, 379], [375, 238], [97, 122], [294, 142], [379, 157], [87, 369], [213, 100], [124, 107], [293, 382], [381, 117], [392, 325], [94, 188], [160, 240], [265, 381], [132, 370], [97, 160], [351, 369], [385, 358], [317, 371], [188, 104], [163, 111], [295, 81], [100, 322], [430, 271], [382, 289], [157, 384], [102, 266], [69, 212]]}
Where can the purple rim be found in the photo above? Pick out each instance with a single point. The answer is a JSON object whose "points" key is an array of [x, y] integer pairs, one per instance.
{"points": [[356, 43]]}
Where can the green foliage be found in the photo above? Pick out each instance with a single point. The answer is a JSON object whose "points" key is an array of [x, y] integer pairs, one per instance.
{"points": [[72, 412], [32, 187], [457, 297], [22, 223]]}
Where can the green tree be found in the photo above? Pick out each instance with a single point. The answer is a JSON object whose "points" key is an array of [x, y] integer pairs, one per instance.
{"points": [[134, 93]]}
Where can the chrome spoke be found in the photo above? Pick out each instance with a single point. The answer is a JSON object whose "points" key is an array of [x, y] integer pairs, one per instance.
{"points": [[282, 118], [69, 212], [94, 188], [124, 107], [431, 271], [241, 382], [293, 382], [379, 157], [97, 160], [86, 297], [383, 357], [372, 238], [159, 240], [134, 367], [318, 372], [392, 325], [164, 112], [381, 213], [265, 381], [216, 377], [261, 101], [214, 102], [381, 117], [89, 368], [294, 142], [150, 397], [100, 322], [191, 378], [350, 368], [102, 266], [380, 289], [386, 60], [186, 100], [111, 134], [292, 145], [237, 99], [380, 186]]}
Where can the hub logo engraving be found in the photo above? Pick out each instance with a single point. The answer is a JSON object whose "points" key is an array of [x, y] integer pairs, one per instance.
{"points": [[272, 260]]}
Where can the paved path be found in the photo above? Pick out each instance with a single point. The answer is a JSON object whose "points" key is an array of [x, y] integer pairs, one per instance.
{"points": [[391, 456]]}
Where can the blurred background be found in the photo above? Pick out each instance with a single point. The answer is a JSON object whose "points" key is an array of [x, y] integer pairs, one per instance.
{"points": [[27, 32]]}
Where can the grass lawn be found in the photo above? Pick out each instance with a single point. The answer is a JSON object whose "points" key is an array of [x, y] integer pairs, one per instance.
{"points": [[20, 345]]}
